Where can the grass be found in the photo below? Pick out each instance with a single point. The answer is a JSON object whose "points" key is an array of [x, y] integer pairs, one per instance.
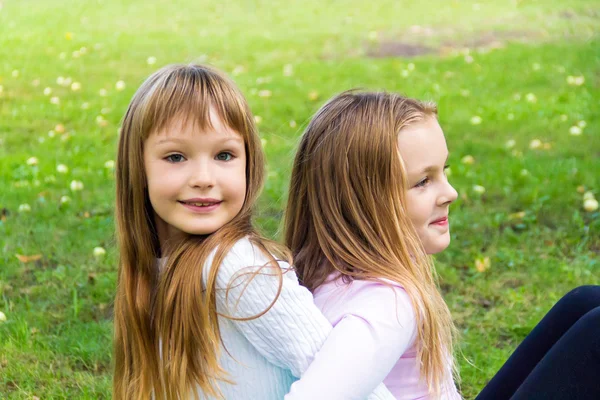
{"points": [[516, 248]]}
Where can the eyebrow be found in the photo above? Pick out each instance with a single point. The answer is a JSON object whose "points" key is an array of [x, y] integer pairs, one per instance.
{"points": [[433, 167]]}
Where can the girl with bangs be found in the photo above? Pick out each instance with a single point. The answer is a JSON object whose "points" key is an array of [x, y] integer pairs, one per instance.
{"points": [[368, 203], [205, 306]]}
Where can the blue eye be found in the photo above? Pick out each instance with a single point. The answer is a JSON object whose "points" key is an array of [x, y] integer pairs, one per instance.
{"points": [[224, 156], [422, 183], [175, 158]]}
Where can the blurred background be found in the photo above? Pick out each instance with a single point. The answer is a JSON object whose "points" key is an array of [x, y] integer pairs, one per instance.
{"points": [[517, 84]]}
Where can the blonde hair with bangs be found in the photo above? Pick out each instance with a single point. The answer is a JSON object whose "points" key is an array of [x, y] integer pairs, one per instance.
{"points": [[166, 332], [347, 212]]}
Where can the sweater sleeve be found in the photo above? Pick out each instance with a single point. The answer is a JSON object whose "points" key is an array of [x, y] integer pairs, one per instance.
{"points": [[293, 330], [364, 346]]}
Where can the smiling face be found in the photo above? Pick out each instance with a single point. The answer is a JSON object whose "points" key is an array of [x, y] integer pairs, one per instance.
{"points": [[196, 179], [424, 153]]}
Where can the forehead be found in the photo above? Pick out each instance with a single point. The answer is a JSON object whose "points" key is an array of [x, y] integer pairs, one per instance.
{"points": [[182, 126], [422, 144]]}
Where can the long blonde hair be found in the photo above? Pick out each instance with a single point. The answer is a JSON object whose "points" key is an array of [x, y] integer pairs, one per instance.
{"points": [[347, 212], [166, 332]]}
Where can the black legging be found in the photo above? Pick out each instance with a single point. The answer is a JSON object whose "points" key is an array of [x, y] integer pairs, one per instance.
{"points": [[559, 359]]}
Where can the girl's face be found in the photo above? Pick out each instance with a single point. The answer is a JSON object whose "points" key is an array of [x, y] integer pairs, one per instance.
{"points": [[196, 179], [424, 152]]}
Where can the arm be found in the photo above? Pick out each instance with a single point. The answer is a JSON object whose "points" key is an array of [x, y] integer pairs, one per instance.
{"points": [[362, 349], [292, 331]]}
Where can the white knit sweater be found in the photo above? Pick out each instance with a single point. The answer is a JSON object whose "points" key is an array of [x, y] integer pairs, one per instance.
{"points": [[265, 355]]}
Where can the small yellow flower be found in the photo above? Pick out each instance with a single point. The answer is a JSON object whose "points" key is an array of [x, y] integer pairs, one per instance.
{"points": [[313, 95], [590, 205], [68, 35], [99, 252], [59, 128], [468, 160], [581, 189], [476, 120], [120, 85], [535, 144], [478, 189], [62, 169], [588, 195], [32, 161], [482, 264], [24, 208], [517, 215], [76, 186], [288, 70]]}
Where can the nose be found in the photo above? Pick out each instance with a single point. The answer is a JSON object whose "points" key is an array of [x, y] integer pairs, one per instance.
{"points": [[201, 175], [448, 195]]}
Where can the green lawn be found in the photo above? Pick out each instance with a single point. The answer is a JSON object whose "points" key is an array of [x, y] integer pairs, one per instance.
{"points": [[516, 81]]}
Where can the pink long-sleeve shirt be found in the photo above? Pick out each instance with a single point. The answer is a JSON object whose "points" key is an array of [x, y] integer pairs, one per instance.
{"points": [[375, 340]]}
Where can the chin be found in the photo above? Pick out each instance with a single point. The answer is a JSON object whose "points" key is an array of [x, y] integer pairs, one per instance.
{"points": [[437, 246]]}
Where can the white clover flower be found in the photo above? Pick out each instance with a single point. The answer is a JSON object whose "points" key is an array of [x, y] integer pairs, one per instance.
{"points": [[75, 86], [469, 59], [530, 97], [15, 73], [263, 142], [75, 54], [76, 186], [41, 139], [257, 119], [239, 69], [83, 50], [588, 195], [60, 80], [50, 179], [293, 124], [564, 117], [579, 80], [59, 128], [65, 200], [32, 161], [103, 92], [120, 85], [535, 144], [517, 96], [2, 317], [448, 171], [410, 67], [105, 110], [536, 66], [1, 89], [99, 252], [476, 120], [24, 208], [524, 172], [590, 205], [67, 81], [288, 70], [110, 164], [465, 93], [582, 124], [264, 93], [62, 55], [510, 116], [34, 83], [510, 143], [478, 189], [468, 160], [404, 73], [151, 60], [51, 134], [372, 35], [575, 130], [62, 169], [47, 91], [55, 100]]}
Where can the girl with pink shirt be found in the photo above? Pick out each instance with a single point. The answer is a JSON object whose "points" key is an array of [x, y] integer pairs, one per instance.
{"points": [[368, 203]]}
